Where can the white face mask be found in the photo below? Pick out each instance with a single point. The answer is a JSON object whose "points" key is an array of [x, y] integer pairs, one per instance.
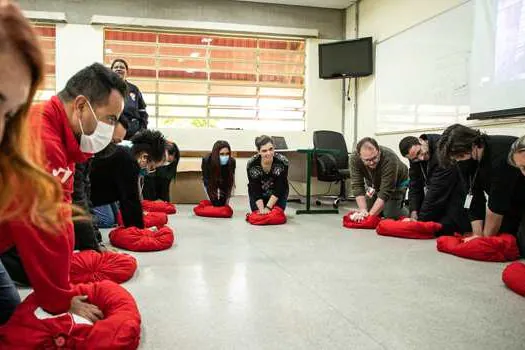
{"points": [[100, 138]]}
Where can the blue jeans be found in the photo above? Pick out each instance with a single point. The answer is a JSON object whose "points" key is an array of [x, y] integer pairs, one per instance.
{"points": [[106, 215], [9, 297], [281, 202]]}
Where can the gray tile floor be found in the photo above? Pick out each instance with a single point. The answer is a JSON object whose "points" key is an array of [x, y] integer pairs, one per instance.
{"points": [[312, 284]]}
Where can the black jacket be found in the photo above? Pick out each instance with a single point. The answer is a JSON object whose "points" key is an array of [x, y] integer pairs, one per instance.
{"points": [[87, 235], [115, 178], [503, 183], [135, 111], [263, 185], [439, 181]]}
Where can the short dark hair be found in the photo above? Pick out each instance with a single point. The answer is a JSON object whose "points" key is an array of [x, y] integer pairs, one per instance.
{"points": [[96, 83], [262, 140], [407, 143], [370, 140], [457, 140], [121, 60], [151, 142]]}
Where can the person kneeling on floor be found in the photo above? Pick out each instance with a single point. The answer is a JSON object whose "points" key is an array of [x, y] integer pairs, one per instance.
{"points": [[117, 176], [435, 193], [484, 168], [218, 174], [267, 177], [379, 180]]}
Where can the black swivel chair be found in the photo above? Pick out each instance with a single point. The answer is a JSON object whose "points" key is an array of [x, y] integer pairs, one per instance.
{"points": [[332, 167]]}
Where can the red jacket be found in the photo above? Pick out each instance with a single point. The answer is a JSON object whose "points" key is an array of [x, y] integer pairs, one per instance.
{"points": [[47, 256]]}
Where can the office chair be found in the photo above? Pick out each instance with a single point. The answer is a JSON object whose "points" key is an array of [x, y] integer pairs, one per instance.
{"points": [[279, 143], [332, 167]]}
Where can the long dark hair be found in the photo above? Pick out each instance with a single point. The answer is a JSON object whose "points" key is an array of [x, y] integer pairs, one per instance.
{"points": [[457, 140], [215, 180]]}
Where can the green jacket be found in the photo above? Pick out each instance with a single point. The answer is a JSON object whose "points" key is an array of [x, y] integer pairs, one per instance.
{"points": [[388, 178]]}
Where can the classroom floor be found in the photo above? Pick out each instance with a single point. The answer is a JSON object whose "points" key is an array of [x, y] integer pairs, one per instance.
{"points": [[312, 284]]}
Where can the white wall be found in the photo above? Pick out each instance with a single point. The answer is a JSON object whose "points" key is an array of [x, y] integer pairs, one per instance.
{"points": [[382, 19], [77, 46]]}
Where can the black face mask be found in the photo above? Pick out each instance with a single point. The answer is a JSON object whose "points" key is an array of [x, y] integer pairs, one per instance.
{"points": [[467, 166]]}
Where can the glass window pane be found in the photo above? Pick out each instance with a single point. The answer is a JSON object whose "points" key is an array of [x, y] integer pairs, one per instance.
{"points": [[149, 98], [229, 66], [129, 49], [183, 100], [279, 68], [134, 62], [151, 111], [232, 90], [285, 57], [145, 85], [232, 101], [270, 103], [261, 125], [281, 92], [182, 63], [233, 113], [183, 88], [44, 95], [269, 114], [242, 55], [185, 123], [182, 111], [193, 52]]}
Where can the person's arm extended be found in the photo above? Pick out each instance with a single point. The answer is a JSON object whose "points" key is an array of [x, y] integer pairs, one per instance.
{"points": [[378, 207], [416, 189], [142, 110], [361, 203], [492, 223], [255, 188], [129, 195], [272, 201], [46, 258], [477, 227]]}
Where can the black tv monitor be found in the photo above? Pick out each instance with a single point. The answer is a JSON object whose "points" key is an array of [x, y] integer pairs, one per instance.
{"points": [[342, 59]]}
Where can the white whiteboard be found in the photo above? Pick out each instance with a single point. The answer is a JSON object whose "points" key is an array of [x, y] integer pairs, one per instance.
{"points": [[422, 74]]}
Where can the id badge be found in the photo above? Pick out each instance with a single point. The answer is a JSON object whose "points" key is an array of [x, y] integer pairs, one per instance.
{"points": [[468, 201], [425, 190], [370, 191]]}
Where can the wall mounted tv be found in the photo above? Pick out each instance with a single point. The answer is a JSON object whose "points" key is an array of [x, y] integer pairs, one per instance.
{"points": [[346, 59]]}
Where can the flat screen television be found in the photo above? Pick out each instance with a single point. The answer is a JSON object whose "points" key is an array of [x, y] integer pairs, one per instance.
{"points": [[342, 59]]}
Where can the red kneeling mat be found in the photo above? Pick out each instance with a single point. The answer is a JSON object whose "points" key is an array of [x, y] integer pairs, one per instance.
{"points": [[370, 222], [206, 209], [120, 328], [159, 207], [142, 240], [151, 219], [408, 229], [275, 217], [91, 266], [498, 248], [514, 277]]}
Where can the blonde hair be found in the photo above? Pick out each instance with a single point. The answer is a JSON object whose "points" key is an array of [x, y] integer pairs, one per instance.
{"points": [[27, 191]]}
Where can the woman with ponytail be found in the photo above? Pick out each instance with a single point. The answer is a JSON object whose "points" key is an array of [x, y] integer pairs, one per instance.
{"points": [[218, 173]]}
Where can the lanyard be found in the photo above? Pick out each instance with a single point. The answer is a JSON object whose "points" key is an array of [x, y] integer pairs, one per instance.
{"points": [[424, 172], [472, 179]]}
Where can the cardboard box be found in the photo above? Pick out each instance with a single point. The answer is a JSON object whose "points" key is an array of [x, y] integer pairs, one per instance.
{"points": [[188, 187]]}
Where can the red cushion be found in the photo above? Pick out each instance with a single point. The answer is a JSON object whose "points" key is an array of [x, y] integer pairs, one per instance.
{"points": [[498, 248], [150, 219], [275, 217], [206, 209], [120, 328], [370, 222], [91, 266], [142, 240], [159, 207], [514, 277], [408, 229]]}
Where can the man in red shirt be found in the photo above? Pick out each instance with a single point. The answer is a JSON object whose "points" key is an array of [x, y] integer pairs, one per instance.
{"points": [[73, 125]]}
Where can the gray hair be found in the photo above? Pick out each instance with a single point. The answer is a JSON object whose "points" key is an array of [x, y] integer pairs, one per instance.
{"points": [[517, 147]]}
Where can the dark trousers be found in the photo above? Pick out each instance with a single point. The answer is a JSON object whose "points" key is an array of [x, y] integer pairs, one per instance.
{"points": [[455, 218], [156, 187], [9, 297], [13, 265], [514, 223]]}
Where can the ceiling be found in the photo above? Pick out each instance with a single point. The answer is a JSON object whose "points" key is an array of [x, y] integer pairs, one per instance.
{"points": [[333, 4]]}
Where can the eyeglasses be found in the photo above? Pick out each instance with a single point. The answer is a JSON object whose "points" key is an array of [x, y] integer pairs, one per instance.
{"points": [[373, 160]]}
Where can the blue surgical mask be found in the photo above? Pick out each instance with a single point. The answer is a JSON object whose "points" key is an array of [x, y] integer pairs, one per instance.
{"points": [[224, 159]]}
